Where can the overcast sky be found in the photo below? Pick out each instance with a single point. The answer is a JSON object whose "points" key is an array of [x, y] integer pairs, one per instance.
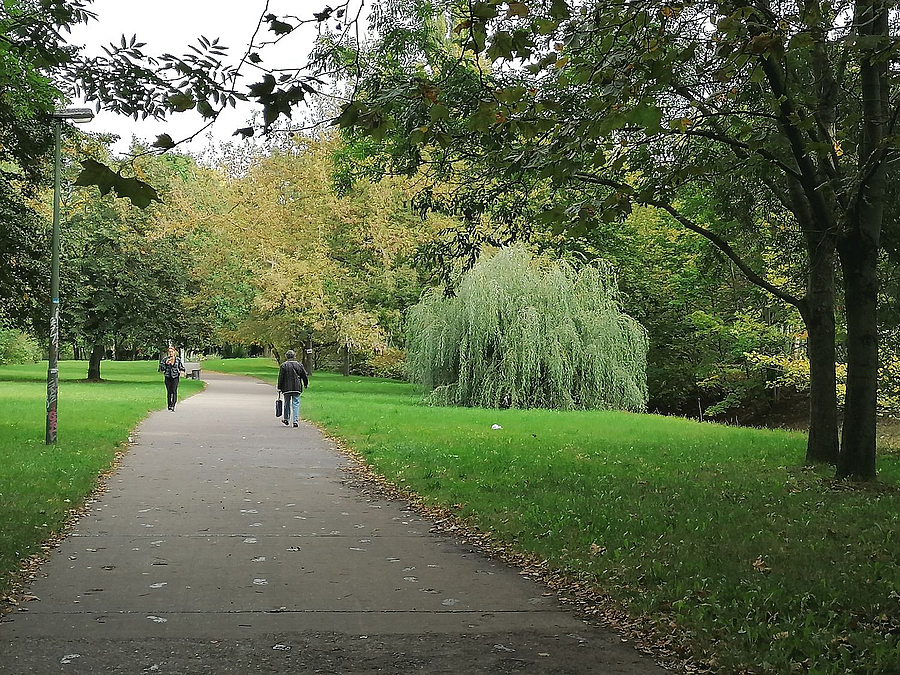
{"points": [[170, 26]]}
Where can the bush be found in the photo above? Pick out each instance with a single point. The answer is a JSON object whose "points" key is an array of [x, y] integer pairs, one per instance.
{"points": [[18, 347], [389, 363]]}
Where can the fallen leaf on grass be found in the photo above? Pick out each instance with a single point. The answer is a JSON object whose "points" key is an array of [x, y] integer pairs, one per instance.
{"points": [[760, 565]]}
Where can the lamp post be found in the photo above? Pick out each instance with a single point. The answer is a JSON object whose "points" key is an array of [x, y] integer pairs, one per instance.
{"points": [[74, 115]]}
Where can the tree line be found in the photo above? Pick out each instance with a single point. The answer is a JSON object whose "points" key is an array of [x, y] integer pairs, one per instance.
{"points": [[768, 131]]}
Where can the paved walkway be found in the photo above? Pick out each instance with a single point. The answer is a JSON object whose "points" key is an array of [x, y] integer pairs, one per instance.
{"points": [[228, 543]]}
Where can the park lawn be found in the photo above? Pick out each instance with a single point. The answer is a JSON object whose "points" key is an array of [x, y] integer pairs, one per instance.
{"points": [[760, 564], [40, 484]]}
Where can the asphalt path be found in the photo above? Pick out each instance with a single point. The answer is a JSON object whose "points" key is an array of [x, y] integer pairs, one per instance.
{"points": [[228, 543]]}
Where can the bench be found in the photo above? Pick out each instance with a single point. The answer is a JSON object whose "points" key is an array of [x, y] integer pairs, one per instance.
{"points": [[192, 370]]}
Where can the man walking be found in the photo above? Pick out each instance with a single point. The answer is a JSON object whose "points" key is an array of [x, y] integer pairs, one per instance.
{"points": [[292, 380]]}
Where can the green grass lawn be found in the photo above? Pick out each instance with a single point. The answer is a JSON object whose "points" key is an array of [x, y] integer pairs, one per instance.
{"points": [[715, 532], [39, 484]]}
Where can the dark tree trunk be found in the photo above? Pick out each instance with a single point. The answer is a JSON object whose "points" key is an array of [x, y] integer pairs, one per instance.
{"points": [[345, 360], [857, 457], [818, 313], [94, 363], [308, 356], [858, 251]]}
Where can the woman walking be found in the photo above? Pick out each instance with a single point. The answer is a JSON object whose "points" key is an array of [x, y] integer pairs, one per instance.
{"points": [[172, 366]]}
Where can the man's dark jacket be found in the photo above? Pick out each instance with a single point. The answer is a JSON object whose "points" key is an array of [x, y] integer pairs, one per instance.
{"points": [[292, 377]]}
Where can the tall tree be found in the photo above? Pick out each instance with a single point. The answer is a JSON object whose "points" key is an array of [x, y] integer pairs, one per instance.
{"points": [[649, 98], [284, 258]]}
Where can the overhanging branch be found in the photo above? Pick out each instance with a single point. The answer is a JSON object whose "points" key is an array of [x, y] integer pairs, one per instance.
{"points": [[691, 225]]}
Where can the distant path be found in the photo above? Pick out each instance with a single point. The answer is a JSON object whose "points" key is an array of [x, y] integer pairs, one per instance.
{"points": [[228, 543]]}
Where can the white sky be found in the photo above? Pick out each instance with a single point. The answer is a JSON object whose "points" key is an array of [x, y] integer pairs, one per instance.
{"points": [[170, 26]]}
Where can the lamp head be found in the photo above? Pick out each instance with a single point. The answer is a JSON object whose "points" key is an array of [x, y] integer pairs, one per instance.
{"points": [[73, 114]]}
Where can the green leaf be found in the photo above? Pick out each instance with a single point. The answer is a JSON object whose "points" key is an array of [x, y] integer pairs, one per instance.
{"points": [[517, 9], [93, 172], [164, 142], [511, 94], [278, 27], [348, 117], [484, 10], [801, 41], [501, 46], [484, 117], [546, 27], [439, 112], [645, 115], [181, 102], [417, 137], [264, 87], [559, 9]]}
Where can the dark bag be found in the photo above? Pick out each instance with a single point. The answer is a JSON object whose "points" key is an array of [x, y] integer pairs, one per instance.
{"points": [[279, 407]]}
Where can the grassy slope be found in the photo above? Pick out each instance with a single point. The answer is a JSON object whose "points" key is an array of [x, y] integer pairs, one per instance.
{"points": [[764, 563], [39, 483]]}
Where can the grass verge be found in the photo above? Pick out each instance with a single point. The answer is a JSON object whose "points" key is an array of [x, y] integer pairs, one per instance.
{"points": [[713, 534], [40, 485]]}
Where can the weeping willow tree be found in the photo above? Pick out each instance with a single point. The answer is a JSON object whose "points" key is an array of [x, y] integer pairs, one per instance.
{"points": [[527, 335]]}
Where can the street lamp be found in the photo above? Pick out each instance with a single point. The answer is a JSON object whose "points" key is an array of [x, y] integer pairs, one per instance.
{"points": [[72, 115]]}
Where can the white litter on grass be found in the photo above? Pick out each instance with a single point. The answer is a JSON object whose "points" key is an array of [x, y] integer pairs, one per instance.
{"points": [[496, 426], [68, 658], [157, 619]]}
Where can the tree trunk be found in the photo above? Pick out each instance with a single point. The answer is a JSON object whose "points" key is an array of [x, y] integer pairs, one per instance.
{"points": [[345, 360], [94, 363], [308, 356], [858, 251], [817, 310], [822, 442], [857, 457]]}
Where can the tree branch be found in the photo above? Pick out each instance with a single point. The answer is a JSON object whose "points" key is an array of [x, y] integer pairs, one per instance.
{"points": [[691, 225]]}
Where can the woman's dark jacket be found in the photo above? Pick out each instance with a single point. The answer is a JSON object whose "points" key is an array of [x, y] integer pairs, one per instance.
{"points": [[292, 377], [171, 370]]}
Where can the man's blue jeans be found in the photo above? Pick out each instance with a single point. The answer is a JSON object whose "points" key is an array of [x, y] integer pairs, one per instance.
{"points": [[291, 402]]}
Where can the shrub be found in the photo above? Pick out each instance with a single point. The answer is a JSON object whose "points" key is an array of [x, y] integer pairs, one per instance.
{"points": [[18, 347], [389, 362]]}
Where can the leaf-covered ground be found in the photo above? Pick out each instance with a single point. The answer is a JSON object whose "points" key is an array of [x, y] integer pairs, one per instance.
{"points": [[718, 545]]}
